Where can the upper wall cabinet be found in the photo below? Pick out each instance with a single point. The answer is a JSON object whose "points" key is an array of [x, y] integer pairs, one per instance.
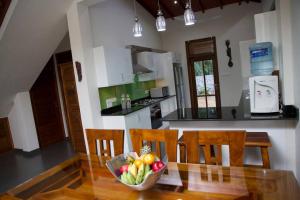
{"points": [[113, 66]]}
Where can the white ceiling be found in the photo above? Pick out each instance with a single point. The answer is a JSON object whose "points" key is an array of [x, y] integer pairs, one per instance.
{"points": [[33, 33]]}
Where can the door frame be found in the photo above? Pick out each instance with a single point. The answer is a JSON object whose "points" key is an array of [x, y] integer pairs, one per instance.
{"points": [[62, 59], [10, 139], [34, 109], [191, 58]]}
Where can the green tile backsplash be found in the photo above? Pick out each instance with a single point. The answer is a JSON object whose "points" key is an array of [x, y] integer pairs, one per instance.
{"points": [[135, 90]]}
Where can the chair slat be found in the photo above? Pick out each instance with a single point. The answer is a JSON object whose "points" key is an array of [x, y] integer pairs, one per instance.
{"points": [[101, 135], [169, 137], [235, 140]]}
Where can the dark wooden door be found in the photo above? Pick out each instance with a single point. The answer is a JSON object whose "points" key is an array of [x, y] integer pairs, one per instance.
{"points": [[46, 107], [6, 143], [68, 85], [203, 75]]}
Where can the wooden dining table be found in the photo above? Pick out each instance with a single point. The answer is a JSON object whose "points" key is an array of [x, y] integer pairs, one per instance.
{"points": [[85, 177]]}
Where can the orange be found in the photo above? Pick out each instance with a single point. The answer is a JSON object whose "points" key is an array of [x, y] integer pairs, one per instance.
{"points": [[138, 163], [149, 159]]}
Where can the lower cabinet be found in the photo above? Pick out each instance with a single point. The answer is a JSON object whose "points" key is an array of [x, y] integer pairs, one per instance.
{"points": [[167, 106], [140, 119]]}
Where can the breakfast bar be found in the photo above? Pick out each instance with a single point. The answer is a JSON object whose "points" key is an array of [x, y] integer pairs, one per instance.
{"points": [[277, 126]]}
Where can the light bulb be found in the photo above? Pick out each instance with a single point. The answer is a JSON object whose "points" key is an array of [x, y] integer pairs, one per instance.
{"points": [[137, 28]]}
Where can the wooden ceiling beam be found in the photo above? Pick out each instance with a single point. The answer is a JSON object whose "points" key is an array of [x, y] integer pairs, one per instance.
{"points": [[221, 4], [201, 6], [166, 9], [182, 4], [153, 13]]}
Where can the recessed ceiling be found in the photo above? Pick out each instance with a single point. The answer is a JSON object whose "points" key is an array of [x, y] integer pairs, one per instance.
{"points": [[171, 10]]}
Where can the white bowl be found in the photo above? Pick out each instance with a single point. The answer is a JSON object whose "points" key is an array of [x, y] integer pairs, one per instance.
{"points": [[116, 162]]}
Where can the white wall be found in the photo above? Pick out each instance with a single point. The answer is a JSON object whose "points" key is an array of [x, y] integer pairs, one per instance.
{"points": [[267, 5], [286, 62], [22, 124], [33, 32], [235, 23], [86, 31], [112, 22], [296, 42], [64, 44]]}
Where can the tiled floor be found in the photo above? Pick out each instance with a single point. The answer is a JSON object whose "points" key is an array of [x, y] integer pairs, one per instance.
{"points": [[18, 166]]}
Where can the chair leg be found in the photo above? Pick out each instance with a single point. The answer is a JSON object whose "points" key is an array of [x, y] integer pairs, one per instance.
{"points": [[182, 153], [265, 157]]}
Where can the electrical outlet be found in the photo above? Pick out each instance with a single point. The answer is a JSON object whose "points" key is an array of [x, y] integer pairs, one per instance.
{"points": [[109, 102]]}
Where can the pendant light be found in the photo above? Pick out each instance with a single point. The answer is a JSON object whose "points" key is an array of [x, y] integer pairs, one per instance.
{"points": [[137, 27], [189, 17], [160, 20]]}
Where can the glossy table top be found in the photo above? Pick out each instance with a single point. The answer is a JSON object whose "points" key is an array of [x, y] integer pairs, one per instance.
{"points": [[84, 177]]}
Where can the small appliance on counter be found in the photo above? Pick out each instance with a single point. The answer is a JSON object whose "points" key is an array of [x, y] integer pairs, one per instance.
{"points": [[264, 97], [159, 92]]}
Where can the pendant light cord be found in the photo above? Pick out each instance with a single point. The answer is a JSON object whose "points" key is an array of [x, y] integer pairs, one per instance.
{"points": [[134, 8], [158, 5]]}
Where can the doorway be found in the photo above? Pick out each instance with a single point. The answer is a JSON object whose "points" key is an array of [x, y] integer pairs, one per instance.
{"points": [[46, 107], [70, 99], [6, 143], [203, 76]]}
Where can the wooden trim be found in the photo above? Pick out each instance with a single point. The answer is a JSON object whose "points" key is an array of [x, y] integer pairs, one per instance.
{"points": [[9, 136], [34, 109], [3, 9], [64, 101]]}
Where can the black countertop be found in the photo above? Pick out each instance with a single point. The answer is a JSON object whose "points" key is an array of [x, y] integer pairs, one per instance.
{"points": [[238, 113], [117, 110]]}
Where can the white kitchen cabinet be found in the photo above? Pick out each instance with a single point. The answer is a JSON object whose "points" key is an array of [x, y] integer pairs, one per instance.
{"points": [[167, 106], [113, 66], [140, 119]]}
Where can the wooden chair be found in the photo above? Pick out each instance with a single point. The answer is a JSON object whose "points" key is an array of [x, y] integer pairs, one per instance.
{"points": [[207, 139], [104, 137], [169, 137]]}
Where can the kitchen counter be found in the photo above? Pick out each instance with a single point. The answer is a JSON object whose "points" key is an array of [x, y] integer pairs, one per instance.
{"points": [[238, 113], [117, 110], [224, 114]]}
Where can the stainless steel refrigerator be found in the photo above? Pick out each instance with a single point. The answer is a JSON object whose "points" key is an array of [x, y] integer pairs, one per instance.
{"points": [[179, 86]]}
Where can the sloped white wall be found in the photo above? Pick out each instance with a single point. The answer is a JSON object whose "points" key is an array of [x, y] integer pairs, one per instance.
{"points": [[31, 36], [22, 124]]}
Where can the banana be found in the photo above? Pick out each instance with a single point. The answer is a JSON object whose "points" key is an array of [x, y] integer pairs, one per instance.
{"points": [[148, 173], [133, 170], [124, 178], [147, 169], [130, 179], [140, 175]]}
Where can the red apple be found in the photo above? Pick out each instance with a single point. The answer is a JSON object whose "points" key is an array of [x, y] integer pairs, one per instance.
{"points": [[156, 166], [124, 168]]}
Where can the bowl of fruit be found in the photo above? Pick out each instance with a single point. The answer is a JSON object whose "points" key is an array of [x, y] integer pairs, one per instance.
{"points": [[138, 172]]}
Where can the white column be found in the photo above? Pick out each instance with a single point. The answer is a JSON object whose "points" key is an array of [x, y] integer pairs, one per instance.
{"points": [[82, 51]]}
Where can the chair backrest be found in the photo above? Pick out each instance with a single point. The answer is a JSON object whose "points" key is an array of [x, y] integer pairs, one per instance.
{"points": [[210, 139], [104, 137], [151, 136]]}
